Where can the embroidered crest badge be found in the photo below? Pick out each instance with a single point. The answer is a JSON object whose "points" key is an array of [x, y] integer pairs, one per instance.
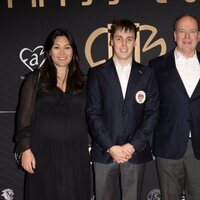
{"points": [[140, 97]]}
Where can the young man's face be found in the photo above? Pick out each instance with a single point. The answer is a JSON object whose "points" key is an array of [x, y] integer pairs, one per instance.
{"points": [[123, 44]]}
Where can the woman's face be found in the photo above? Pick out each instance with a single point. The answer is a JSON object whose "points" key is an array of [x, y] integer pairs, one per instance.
{"points": [[61, 52]]}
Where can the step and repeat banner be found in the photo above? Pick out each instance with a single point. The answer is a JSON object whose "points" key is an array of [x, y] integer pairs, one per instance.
{"points": [[24, 26]]}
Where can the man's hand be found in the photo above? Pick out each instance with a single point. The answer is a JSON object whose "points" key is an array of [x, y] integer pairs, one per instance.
{"points": [[117, 154], [128, 150]]}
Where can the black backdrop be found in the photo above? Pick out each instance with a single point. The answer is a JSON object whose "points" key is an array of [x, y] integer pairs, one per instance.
{"points": [[24, 25]]}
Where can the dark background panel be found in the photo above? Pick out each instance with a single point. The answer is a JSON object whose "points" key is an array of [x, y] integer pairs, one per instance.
{"points": [[24, 26], [11, 177], [24, 29]]}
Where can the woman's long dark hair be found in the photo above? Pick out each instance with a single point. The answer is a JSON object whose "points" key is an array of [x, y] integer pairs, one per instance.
{"points": [[75, 78]]}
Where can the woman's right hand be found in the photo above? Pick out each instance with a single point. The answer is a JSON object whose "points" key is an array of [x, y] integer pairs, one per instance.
{"points": [[28, 161]]}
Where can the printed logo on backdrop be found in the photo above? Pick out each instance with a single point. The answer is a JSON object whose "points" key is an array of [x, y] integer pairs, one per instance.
{"points": [[183, 196], [32, 58], [64, 3], [154, 195], [166, 1], [149, 44], [8, 194]]}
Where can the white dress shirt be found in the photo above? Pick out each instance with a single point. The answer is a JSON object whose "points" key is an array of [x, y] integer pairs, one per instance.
{"points": [[123, 73], [189, 71]]}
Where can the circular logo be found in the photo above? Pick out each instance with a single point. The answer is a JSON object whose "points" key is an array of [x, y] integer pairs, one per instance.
{"points": [[8, 194], [154, 195], [140, 97]]}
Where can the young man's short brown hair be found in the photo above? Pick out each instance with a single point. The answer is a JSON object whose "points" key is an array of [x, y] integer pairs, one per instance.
{"points": [[121, 24]]}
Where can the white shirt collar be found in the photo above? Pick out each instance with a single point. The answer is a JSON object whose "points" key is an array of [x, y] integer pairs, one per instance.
{"points": [[178, 55], [118, 66]]}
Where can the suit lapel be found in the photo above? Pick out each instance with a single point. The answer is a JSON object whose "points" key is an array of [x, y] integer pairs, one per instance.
{"points": [[135, 76], [196, 92], [112, 77], [173, 72]]}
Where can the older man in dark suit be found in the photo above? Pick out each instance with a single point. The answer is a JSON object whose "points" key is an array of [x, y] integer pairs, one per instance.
{"points": [[122, 111], [177, 137]]}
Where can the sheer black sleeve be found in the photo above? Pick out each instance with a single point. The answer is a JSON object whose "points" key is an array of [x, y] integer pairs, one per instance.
{"points": [[25, 111]]}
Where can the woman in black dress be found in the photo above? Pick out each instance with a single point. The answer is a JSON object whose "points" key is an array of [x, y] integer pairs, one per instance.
{"points": [[51, 127]]}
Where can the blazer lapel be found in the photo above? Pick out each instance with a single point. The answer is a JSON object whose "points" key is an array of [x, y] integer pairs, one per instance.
{"points": [[173, 72], [112, 77], [196, 92], [135, 76]]}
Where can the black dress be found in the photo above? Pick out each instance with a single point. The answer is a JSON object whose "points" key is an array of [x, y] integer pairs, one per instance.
{"points": [[57, 135]]}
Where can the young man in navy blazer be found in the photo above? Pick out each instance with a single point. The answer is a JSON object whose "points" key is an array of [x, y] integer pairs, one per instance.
{"points": [[177, 136], [122, 111]]}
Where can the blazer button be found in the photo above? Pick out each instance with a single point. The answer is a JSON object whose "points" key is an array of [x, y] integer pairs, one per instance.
{"points": [[124, 112]]}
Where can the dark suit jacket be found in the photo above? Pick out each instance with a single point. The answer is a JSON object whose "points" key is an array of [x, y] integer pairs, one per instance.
{"points": [[178, 113], [114, 120]]}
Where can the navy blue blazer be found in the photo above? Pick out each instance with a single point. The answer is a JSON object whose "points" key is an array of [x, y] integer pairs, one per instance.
{"points": [[113, 120], [178, 112]]}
